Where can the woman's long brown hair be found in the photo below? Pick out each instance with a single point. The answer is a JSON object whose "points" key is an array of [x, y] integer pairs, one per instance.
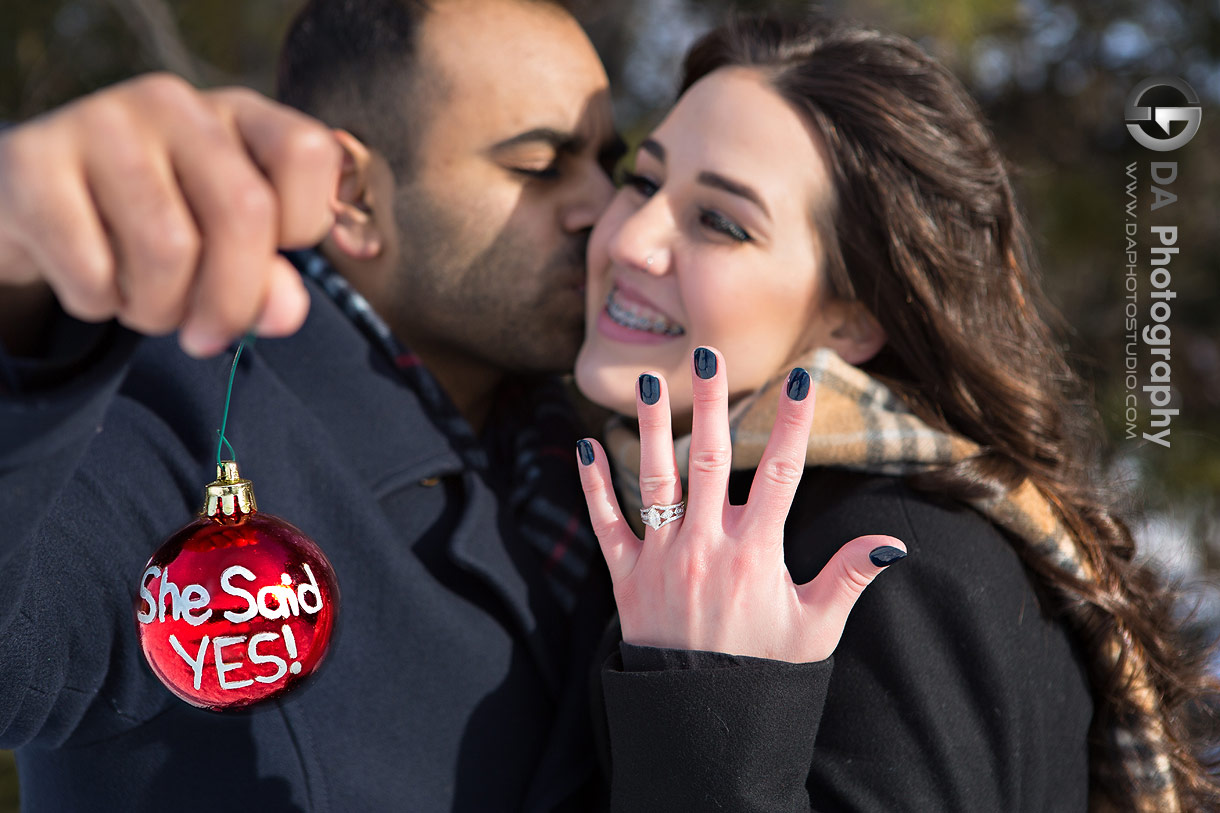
{"points": [[926, 232]]}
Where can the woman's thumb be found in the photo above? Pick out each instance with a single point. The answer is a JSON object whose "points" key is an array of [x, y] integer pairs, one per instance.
{"points": [[832, 594]]}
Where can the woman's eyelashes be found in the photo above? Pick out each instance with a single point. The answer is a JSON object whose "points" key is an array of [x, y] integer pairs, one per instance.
{"points": [[708, 218], [718, 222], [645, 186]]}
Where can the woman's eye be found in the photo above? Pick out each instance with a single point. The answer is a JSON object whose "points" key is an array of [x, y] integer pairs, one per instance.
{"points": [[639, 183], [719, 223]]}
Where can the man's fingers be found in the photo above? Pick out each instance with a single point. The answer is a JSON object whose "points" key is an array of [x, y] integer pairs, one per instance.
{"points": [[620, 546], [49, 215], [783, 461], [297, 154], [164, 206], [237, 213], [272, 175], [711, 446], [286, 304], [153, 234], [832, 594]]}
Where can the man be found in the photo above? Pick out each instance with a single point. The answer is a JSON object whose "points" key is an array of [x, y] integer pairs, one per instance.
{"points": [[473, 138]]}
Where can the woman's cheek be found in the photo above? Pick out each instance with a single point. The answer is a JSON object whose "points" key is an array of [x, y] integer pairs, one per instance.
{"points": [[716, 308]]}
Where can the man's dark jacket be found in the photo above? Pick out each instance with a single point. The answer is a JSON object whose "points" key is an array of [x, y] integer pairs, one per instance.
{"points": [[452, 682]]}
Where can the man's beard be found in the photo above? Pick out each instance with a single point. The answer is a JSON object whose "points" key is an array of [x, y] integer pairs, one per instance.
{"points": [[498, 307]]}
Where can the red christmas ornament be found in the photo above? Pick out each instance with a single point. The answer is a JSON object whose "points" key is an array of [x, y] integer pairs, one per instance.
{"points": [[238, 606]]}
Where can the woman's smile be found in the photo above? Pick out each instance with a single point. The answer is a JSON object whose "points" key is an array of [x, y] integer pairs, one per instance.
{"points": [[641, 320]]}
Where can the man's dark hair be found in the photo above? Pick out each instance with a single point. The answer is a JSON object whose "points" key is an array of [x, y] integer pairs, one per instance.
{"points": [[351, 64]]}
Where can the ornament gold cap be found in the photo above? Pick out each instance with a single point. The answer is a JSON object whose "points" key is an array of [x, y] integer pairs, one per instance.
{"points": [[230, 495]]}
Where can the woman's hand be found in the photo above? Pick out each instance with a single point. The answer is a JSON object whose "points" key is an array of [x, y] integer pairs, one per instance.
{"points": [[715, 579]]}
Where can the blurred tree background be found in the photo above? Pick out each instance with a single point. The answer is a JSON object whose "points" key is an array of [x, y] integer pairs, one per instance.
{"points": [[1052, 77]]}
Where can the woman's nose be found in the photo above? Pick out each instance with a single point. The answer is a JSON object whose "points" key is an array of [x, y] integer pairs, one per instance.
{"points": [[644, 239]]}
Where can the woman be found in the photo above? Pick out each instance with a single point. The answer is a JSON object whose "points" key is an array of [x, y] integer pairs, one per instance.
{"points": [[827, 197]]}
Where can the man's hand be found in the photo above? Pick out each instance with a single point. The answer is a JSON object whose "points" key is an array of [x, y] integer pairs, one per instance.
{"points": [[163, 206]]}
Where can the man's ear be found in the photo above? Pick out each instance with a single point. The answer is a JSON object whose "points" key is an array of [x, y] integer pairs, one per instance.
{"points": [[854, 333], [357, 232]]}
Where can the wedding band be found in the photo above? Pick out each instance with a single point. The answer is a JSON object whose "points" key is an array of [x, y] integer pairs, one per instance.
{"points": [[655, 516]]}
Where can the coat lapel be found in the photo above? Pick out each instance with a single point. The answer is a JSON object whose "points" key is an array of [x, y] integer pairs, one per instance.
{"points": [[512, 573], [568, 770], [404, 451]]}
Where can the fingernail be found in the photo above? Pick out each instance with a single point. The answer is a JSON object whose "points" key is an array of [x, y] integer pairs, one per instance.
{"points": [[585, 449], [883, 556], [287, 311], [199, 345], [705, 362], [650, 389], [798, 384]]}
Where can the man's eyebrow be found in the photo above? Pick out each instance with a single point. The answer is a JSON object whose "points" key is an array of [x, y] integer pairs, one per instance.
{"points": [[734, 187], [555, 139]]}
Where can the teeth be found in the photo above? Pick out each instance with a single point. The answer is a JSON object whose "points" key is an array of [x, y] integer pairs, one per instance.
{"points": [[629, 315]]}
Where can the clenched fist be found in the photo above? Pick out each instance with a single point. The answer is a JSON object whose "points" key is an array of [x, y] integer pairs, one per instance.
{"points": [[164, 206]]}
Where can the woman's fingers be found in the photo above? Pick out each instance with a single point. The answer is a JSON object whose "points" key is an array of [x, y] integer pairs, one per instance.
{"points": [[832, 594], [783, 461], [659, 481], [711, 446], [620, 546]]}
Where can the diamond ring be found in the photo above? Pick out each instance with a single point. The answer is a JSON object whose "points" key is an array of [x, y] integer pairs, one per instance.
{"points": [[655, 516]]}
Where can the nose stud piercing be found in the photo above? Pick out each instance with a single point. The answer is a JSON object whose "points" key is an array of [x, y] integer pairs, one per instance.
{"points": [[648, 261]]}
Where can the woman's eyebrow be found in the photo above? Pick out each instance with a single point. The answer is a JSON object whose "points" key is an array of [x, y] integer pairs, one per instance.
{"points": [[746, 191], [712, 179], [653, 148]]}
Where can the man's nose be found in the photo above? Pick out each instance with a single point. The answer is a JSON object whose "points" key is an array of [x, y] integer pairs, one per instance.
{"points": [[588, 200]]}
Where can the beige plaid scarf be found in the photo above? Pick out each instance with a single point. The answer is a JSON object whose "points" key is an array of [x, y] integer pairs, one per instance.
{"points": [[860, 424]]}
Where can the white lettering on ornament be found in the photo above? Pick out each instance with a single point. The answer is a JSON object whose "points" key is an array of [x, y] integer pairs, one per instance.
{"points": [[223, 667], [273, 602]]}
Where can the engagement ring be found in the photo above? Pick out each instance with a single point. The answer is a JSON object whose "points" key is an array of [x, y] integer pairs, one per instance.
{"points": [[655, 516]]}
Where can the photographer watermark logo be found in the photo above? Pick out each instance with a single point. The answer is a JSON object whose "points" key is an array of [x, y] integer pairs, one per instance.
{"points": [[1191, 114], [1152, 253]]}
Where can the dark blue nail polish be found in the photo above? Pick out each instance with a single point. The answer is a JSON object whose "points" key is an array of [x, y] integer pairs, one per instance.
{"points": [[650, 389], [705, 363], [883, 556], [585, 449], [798, 384]]}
